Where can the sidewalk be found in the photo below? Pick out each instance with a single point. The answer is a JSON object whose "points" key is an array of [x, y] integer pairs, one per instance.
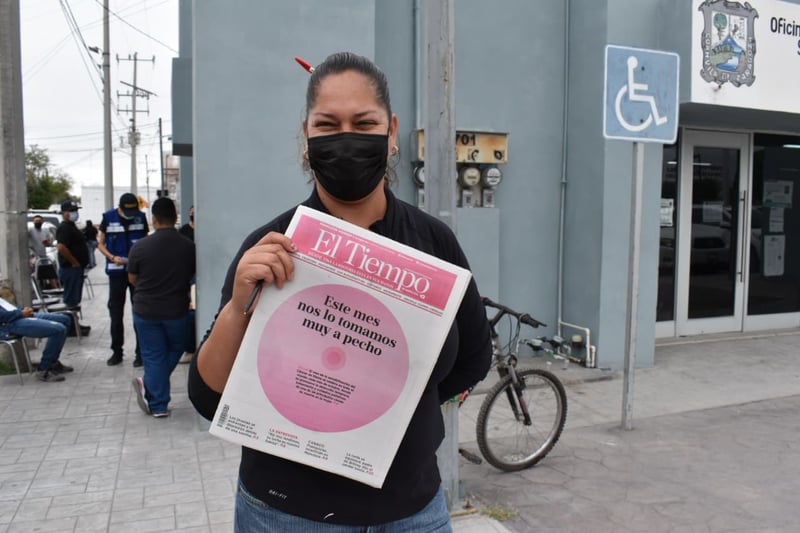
{"points": [[713, 446], [79, 455]]}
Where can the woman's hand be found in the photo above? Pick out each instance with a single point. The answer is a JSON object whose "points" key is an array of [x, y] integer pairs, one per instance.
{"points": [[268, 262]]}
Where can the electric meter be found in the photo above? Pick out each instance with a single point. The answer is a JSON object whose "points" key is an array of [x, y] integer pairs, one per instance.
{"points": [[419, 176], [491, 177], [469, 176]]}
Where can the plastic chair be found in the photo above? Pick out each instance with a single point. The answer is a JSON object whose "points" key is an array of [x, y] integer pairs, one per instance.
{"points": [[10, 340], [46, 272], [87, 285], [54, 305]]}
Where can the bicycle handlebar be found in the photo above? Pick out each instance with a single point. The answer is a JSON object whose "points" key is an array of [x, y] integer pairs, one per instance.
{"points": [[525, 318]]}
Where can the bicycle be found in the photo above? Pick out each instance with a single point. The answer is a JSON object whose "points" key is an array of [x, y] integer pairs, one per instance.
{"points": [[520, 434]]}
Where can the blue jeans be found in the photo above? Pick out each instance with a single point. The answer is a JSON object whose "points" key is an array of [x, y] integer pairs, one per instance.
{"points": [[161, 343], [253, 516], [72, 283], [54, 326]]}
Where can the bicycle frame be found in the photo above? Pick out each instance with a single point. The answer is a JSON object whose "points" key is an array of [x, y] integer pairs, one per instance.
{"points": [[536, 397], [506, 362]]}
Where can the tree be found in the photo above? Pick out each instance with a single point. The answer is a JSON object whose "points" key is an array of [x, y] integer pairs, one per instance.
{"points": [[46, 185]]}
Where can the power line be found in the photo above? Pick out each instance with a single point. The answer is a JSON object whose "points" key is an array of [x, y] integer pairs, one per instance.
{"points": [[165, 45], [90, 133], [77, 36], [39, 65]]}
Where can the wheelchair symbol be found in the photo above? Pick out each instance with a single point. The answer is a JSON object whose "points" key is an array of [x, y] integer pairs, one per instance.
{"points": [[634, 95]]}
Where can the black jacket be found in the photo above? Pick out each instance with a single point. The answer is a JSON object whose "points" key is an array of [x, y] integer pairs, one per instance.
{"points": [[413, 478]]}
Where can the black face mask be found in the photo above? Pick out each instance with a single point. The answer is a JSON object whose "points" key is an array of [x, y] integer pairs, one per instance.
{"points": [[37, 226], [349, 165]]}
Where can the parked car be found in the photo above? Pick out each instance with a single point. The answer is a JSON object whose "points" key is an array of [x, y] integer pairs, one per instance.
{"points": [[53, 217]]}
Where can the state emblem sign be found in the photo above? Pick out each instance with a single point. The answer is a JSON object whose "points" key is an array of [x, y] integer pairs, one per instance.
{"points": [[728, 42]]}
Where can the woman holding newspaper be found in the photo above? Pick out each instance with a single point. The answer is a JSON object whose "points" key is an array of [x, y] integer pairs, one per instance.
{"points": [[350, 134]]}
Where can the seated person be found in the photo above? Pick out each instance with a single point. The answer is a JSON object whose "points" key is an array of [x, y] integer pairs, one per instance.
{"points": [[26, 323]]}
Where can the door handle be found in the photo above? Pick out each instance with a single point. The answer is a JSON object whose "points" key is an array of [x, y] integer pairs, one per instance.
{"points": [[744, 229]]}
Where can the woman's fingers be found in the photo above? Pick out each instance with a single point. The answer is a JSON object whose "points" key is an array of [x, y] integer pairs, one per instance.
{"points": [[269, 261]]}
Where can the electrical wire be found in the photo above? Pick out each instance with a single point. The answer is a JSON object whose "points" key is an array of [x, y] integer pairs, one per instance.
{"points": [[78, 38], [91, 154], [165, 45], [91, 133], [39, 65]]}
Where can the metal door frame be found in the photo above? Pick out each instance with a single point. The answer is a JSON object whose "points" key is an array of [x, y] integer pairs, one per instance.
{"points": [[712, 139]]}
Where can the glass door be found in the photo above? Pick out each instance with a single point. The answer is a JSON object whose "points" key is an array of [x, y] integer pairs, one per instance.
{"points": [[714, 203]]}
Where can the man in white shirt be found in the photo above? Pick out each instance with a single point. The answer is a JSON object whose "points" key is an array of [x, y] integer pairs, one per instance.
{"points": [[40, 236]]}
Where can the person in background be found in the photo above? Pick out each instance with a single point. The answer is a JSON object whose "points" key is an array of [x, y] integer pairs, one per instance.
{"points": [[350, 134], [187, 230], [73, 255], [161, 267], [39, 238], [118, 232], [52, 326], [90, 234]]}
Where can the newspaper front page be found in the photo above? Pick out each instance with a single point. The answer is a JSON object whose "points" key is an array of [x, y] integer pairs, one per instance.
{"points": [[332, 365]]}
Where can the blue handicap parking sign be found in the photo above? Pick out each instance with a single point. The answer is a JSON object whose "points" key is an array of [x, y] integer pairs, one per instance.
{"points": [[641, 95]]}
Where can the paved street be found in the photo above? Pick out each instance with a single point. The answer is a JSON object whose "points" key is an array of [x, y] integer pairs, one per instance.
{"points": [[714, 448], [723, 469]]}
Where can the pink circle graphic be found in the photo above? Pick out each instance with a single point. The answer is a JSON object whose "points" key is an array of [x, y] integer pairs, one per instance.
{"points": [[332, 358]]}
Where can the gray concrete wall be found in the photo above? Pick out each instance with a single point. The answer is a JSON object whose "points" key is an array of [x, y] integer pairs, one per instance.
{"points": [[248, 106], [182, 109], [586, 156], [509, 78], [249, 96], [599, 187]]}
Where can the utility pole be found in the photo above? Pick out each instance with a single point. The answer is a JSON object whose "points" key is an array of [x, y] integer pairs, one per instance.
{"points": [[13, 189], [440, 173], [147, 178], [136, 92], [107, 148], [161, 152]]}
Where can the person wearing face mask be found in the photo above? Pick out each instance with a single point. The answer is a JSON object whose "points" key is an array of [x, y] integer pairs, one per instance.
{"points": [[351, 139], [73, 255], [39, 238], [118, 232]]}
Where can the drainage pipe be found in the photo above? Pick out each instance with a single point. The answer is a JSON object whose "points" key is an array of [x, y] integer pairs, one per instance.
{"points": [[590, 361]]}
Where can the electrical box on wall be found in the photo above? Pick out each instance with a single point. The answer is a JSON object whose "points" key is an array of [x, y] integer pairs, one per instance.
{"points": [[477, 176]]}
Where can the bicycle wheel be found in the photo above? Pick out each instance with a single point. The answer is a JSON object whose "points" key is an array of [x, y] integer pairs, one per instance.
{"points": [[504, 438]]}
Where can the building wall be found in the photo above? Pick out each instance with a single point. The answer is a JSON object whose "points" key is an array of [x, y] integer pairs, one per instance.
{"points": [[182, 109], [511, 57], [249, 97]]}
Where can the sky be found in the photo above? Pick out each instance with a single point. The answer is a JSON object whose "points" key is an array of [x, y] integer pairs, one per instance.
{"points": [[62, 87]]}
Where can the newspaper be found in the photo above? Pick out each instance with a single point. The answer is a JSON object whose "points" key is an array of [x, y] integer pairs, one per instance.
{"points": [[332, 365]]}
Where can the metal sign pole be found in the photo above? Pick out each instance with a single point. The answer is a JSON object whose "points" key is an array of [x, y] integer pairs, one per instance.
{"points": [[634, 251]]}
